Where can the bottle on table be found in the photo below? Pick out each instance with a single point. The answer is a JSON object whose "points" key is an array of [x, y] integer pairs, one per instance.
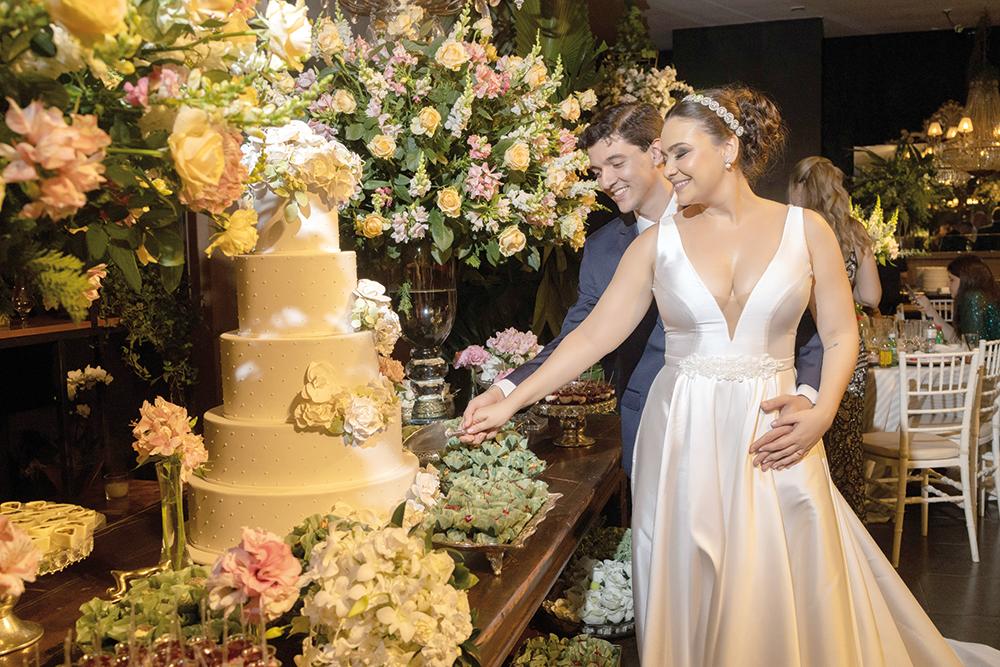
{"points": [[939, 337], [893, 350], [930, 338]]}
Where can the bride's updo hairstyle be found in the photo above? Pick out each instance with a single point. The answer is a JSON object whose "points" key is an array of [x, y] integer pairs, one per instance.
{"points": [[763, 131]]}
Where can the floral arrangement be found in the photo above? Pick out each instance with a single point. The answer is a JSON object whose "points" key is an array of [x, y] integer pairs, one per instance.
{"points": [[629, 72], [85, 379], [597, 583], [463, 149], [504, 352], [554, 651], [19, 559], [154, 606], [881, 231], [377, 595], [485, 511], [259, 575], [122, 114], [504, 457], [164, 432], [356, 414]]}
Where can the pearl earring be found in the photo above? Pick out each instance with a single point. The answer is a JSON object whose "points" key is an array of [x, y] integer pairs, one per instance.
{"points": [[729, 165]]}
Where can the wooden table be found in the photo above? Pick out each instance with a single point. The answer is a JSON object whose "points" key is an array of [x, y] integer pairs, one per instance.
{"points": [[586, 477]]}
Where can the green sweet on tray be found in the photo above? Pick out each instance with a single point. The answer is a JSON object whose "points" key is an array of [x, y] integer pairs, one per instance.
{"points": [[485, 511], [579, 651]]}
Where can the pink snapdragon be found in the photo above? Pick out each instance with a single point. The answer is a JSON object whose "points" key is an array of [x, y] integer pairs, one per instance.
{"points": [[489, 83], [480, 148], [476, 51], [260, 573], [482, 182], [472, 357], [66, 159], [567, 142], [18, 559]]}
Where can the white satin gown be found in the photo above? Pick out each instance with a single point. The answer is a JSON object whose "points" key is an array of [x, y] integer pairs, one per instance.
{"points": [[737, 567]]}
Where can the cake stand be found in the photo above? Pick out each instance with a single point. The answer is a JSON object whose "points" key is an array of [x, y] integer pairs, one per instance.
{"points": [[573, 419]]}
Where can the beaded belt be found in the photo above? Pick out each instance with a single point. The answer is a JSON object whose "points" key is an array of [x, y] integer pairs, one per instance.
{"points": [[734, 368]]}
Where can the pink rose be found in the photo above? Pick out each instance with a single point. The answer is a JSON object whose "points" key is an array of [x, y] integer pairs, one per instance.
{"points": [[472, 356], [260, 572], [18, 559]]}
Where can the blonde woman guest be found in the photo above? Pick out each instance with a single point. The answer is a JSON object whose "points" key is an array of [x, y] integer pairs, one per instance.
{"points": [[817, 184]]}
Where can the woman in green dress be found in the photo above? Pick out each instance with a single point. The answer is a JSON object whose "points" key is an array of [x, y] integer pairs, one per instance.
{"points": [[977, 301]]}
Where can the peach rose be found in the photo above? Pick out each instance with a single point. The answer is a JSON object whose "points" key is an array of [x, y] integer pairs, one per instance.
{"points": [[451, 55], [449, 201], [536, 75], [517, 156], [372, 225], [569, 109], [426, 122], [512, 241], [197, 150], [382, 145], [343, 101], [89, 20]]}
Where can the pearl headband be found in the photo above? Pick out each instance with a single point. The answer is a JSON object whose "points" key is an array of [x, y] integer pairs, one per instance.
{"points": [[722, 112]]}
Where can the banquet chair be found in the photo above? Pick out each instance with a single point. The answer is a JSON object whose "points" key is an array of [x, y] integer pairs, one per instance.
{"points": [[989, 413], [939, 403], [944, 307]]}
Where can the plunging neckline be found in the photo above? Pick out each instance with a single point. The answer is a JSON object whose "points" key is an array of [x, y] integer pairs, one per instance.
{"points": [[731, 333]]}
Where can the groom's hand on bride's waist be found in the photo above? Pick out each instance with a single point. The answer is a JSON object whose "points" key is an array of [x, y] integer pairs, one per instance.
{"points": [[796, 430]]}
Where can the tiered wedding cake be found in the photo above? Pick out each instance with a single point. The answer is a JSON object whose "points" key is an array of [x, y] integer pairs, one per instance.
{"points": [[295, 295]]}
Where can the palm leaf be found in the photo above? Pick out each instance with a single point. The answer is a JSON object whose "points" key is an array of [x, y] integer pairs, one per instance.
{"points": [[562, 30]]}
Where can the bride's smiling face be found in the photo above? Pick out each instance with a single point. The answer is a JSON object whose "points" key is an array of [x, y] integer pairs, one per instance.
{"points": [[694, 160]]}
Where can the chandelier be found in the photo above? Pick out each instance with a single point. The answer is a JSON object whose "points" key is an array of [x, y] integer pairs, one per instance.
{"points": [[432, 7], [969, 145]]}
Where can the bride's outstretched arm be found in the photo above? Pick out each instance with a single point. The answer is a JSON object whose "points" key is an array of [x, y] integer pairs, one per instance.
{"points": [[835, 316], [616, 315]]}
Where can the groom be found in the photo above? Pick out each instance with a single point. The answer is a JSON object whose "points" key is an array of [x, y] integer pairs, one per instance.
{"points": [[623, 144]]}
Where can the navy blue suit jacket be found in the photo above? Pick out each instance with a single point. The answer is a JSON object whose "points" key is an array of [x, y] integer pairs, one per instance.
{"points": [[633, 366]]}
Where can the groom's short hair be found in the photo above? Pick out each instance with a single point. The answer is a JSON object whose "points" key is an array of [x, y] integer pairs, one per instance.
{"points": [[637, 123]]}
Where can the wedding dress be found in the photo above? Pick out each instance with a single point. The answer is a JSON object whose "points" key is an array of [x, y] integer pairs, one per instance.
{"points": [[733, 566]]}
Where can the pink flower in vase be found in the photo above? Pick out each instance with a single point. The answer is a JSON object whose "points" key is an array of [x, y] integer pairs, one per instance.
{"points": [[18, 559], [260, 573], [471, 357]]}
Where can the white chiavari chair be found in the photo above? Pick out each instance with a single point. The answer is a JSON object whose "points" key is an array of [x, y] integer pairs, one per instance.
{"points": [[989, 421], [938, 396]]}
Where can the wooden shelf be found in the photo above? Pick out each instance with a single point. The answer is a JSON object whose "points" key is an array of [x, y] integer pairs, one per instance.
{"points": [[45, 329]]}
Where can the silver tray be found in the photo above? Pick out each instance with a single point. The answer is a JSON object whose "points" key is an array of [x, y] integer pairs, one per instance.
{"points": [[495, 552]]}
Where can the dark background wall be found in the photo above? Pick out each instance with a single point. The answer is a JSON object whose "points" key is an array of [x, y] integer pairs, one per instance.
{"points": [[781, 58]]}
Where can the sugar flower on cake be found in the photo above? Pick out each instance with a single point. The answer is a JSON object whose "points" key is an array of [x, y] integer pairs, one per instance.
{"points": [[259, 575], [372, 312], [164, 431], [19, 559], [355, 413], [504, 352]]}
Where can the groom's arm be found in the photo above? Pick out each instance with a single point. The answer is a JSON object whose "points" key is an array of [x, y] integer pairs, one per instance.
{"points": [[809, 367], [588, 294]]}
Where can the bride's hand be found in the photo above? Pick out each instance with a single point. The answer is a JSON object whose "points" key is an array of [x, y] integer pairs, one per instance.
{"points": [[797, 430], [488, 419]]}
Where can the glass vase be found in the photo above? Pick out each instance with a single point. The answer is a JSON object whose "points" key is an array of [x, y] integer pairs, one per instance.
{"points": [[173, 552], [426, 322]]}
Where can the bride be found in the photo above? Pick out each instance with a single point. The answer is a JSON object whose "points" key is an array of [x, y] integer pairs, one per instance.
{"points": [[735, 564]]}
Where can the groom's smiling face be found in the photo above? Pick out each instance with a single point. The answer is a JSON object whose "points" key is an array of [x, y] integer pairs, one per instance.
{"points": [[625, 171]]}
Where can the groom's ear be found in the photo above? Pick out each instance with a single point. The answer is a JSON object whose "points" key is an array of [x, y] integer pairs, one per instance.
{"points": [[657, 153]]}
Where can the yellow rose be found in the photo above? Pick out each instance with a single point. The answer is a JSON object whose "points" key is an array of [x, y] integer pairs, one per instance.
{"points": [[449, 201], [238, 235], [426, 122], [343, 101], [372, 225], [203, 10], [512, 241], [517, 156], [401, 24], [382, 145], [569, 109], [491, 52], [89, 20], [536, 75], [328, 38], [197, 152], [451, 55], [290, 32]]}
